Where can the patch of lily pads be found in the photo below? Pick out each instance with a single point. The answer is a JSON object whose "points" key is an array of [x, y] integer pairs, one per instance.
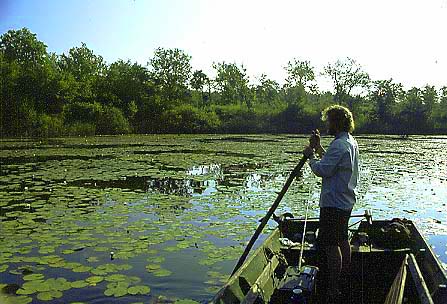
{"points": [[155, 198], [46, 290], [120, 285]]}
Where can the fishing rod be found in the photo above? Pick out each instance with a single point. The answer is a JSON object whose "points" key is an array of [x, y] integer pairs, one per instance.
{"points": [[305, 226]]}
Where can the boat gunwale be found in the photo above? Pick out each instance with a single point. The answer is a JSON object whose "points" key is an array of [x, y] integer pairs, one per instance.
{"points": [[246, 264]]}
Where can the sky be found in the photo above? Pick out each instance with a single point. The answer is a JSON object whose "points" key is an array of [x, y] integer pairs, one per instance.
{"points": [[400, 39]]}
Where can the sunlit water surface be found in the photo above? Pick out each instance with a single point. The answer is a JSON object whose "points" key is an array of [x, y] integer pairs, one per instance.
{"points": [[163, 219]]}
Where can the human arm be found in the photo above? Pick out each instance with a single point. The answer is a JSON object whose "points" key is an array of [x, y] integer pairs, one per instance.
{"points": [[327, 166], [315, 143], [320, 151]]}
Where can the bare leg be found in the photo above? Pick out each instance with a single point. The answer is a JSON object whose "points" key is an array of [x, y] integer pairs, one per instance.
{"points": [[334, 261]]}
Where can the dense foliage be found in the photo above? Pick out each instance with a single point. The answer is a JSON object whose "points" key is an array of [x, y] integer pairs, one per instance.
{"points": [[45, 94]]}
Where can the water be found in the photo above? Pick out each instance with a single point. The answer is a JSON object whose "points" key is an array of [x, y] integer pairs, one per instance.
{"points": [[176, 211]]}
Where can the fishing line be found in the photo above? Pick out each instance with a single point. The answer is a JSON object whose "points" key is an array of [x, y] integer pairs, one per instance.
{"points": [[305, 225]]}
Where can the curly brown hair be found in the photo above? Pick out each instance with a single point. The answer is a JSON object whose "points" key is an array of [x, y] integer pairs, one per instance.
{"points": [[340, 116]]}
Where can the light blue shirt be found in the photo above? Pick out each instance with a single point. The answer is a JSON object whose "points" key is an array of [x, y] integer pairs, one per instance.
{"points": [[339, 169]]}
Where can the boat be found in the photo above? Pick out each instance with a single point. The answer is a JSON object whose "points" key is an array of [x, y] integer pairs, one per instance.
{"points": [[391, 263]]}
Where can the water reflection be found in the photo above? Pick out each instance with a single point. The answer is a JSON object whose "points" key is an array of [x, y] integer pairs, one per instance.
{"points": [[183, 187], [204, 180], [215, 169]]}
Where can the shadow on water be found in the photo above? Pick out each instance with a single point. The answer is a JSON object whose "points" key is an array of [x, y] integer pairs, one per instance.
{"points": [[15, 206], [58, 144], [238, 139], [45, 158], [195, 151]]}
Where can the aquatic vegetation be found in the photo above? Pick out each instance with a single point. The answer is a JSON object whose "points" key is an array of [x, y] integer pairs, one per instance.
{"points": [[125, 216], [186, 301], [117, 289], [139, 289]]}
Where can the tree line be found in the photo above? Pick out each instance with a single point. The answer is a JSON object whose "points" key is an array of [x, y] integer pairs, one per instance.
{"points": [[78, 93]]}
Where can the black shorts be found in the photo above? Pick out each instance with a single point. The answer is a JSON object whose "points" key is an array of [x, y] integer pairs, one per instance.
{"points": [[333, 226]]}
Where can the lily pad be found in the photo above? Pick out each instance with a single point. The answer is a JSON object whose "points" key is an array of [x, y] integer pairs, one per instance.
{"points": [[17, 300], [156, 260], [107, 268], [172, 248], [124, 255], [139, 289], [79, 284], [82, 268], [49, 295], [116, 278], [162, 273], [36, 286], [59, 284], [116, 289], [93, 280], [23, 291], [33, 277], [152, 267], [93, 259], [101, 249]]}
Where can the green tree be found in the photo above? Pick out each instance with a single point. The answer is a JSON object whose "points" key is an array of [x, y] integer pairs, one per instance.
{"points": [[443, 109], [439, 111], [267, 91], [171, 71], [111, 120], [128, 82], [189, 119], [413, 115], [81, 73], [384, 97], [300, 73], [82, 63], [198, 82], [29, 81], [346, 75], [430, 99], [23, 47], [232, 83]]}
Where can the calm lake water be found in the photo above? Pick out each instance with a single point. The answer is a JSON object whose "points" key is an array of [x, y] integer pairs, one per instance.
{"points": [[164, 218]]}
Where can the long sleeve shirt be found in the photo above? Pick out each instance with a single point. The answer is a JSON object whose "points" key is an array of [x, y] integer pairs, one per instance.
{"points": [[339, 169]]}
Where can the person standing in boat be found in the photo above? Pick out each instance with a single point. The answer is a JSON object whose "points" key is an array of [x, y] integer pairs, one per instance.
{"points": [[338, 167]]}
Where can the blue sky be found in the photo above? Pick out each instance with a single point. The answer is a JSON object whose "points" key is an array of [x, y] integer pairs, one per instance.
{"points": [[114, 29], [399, 39]]}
